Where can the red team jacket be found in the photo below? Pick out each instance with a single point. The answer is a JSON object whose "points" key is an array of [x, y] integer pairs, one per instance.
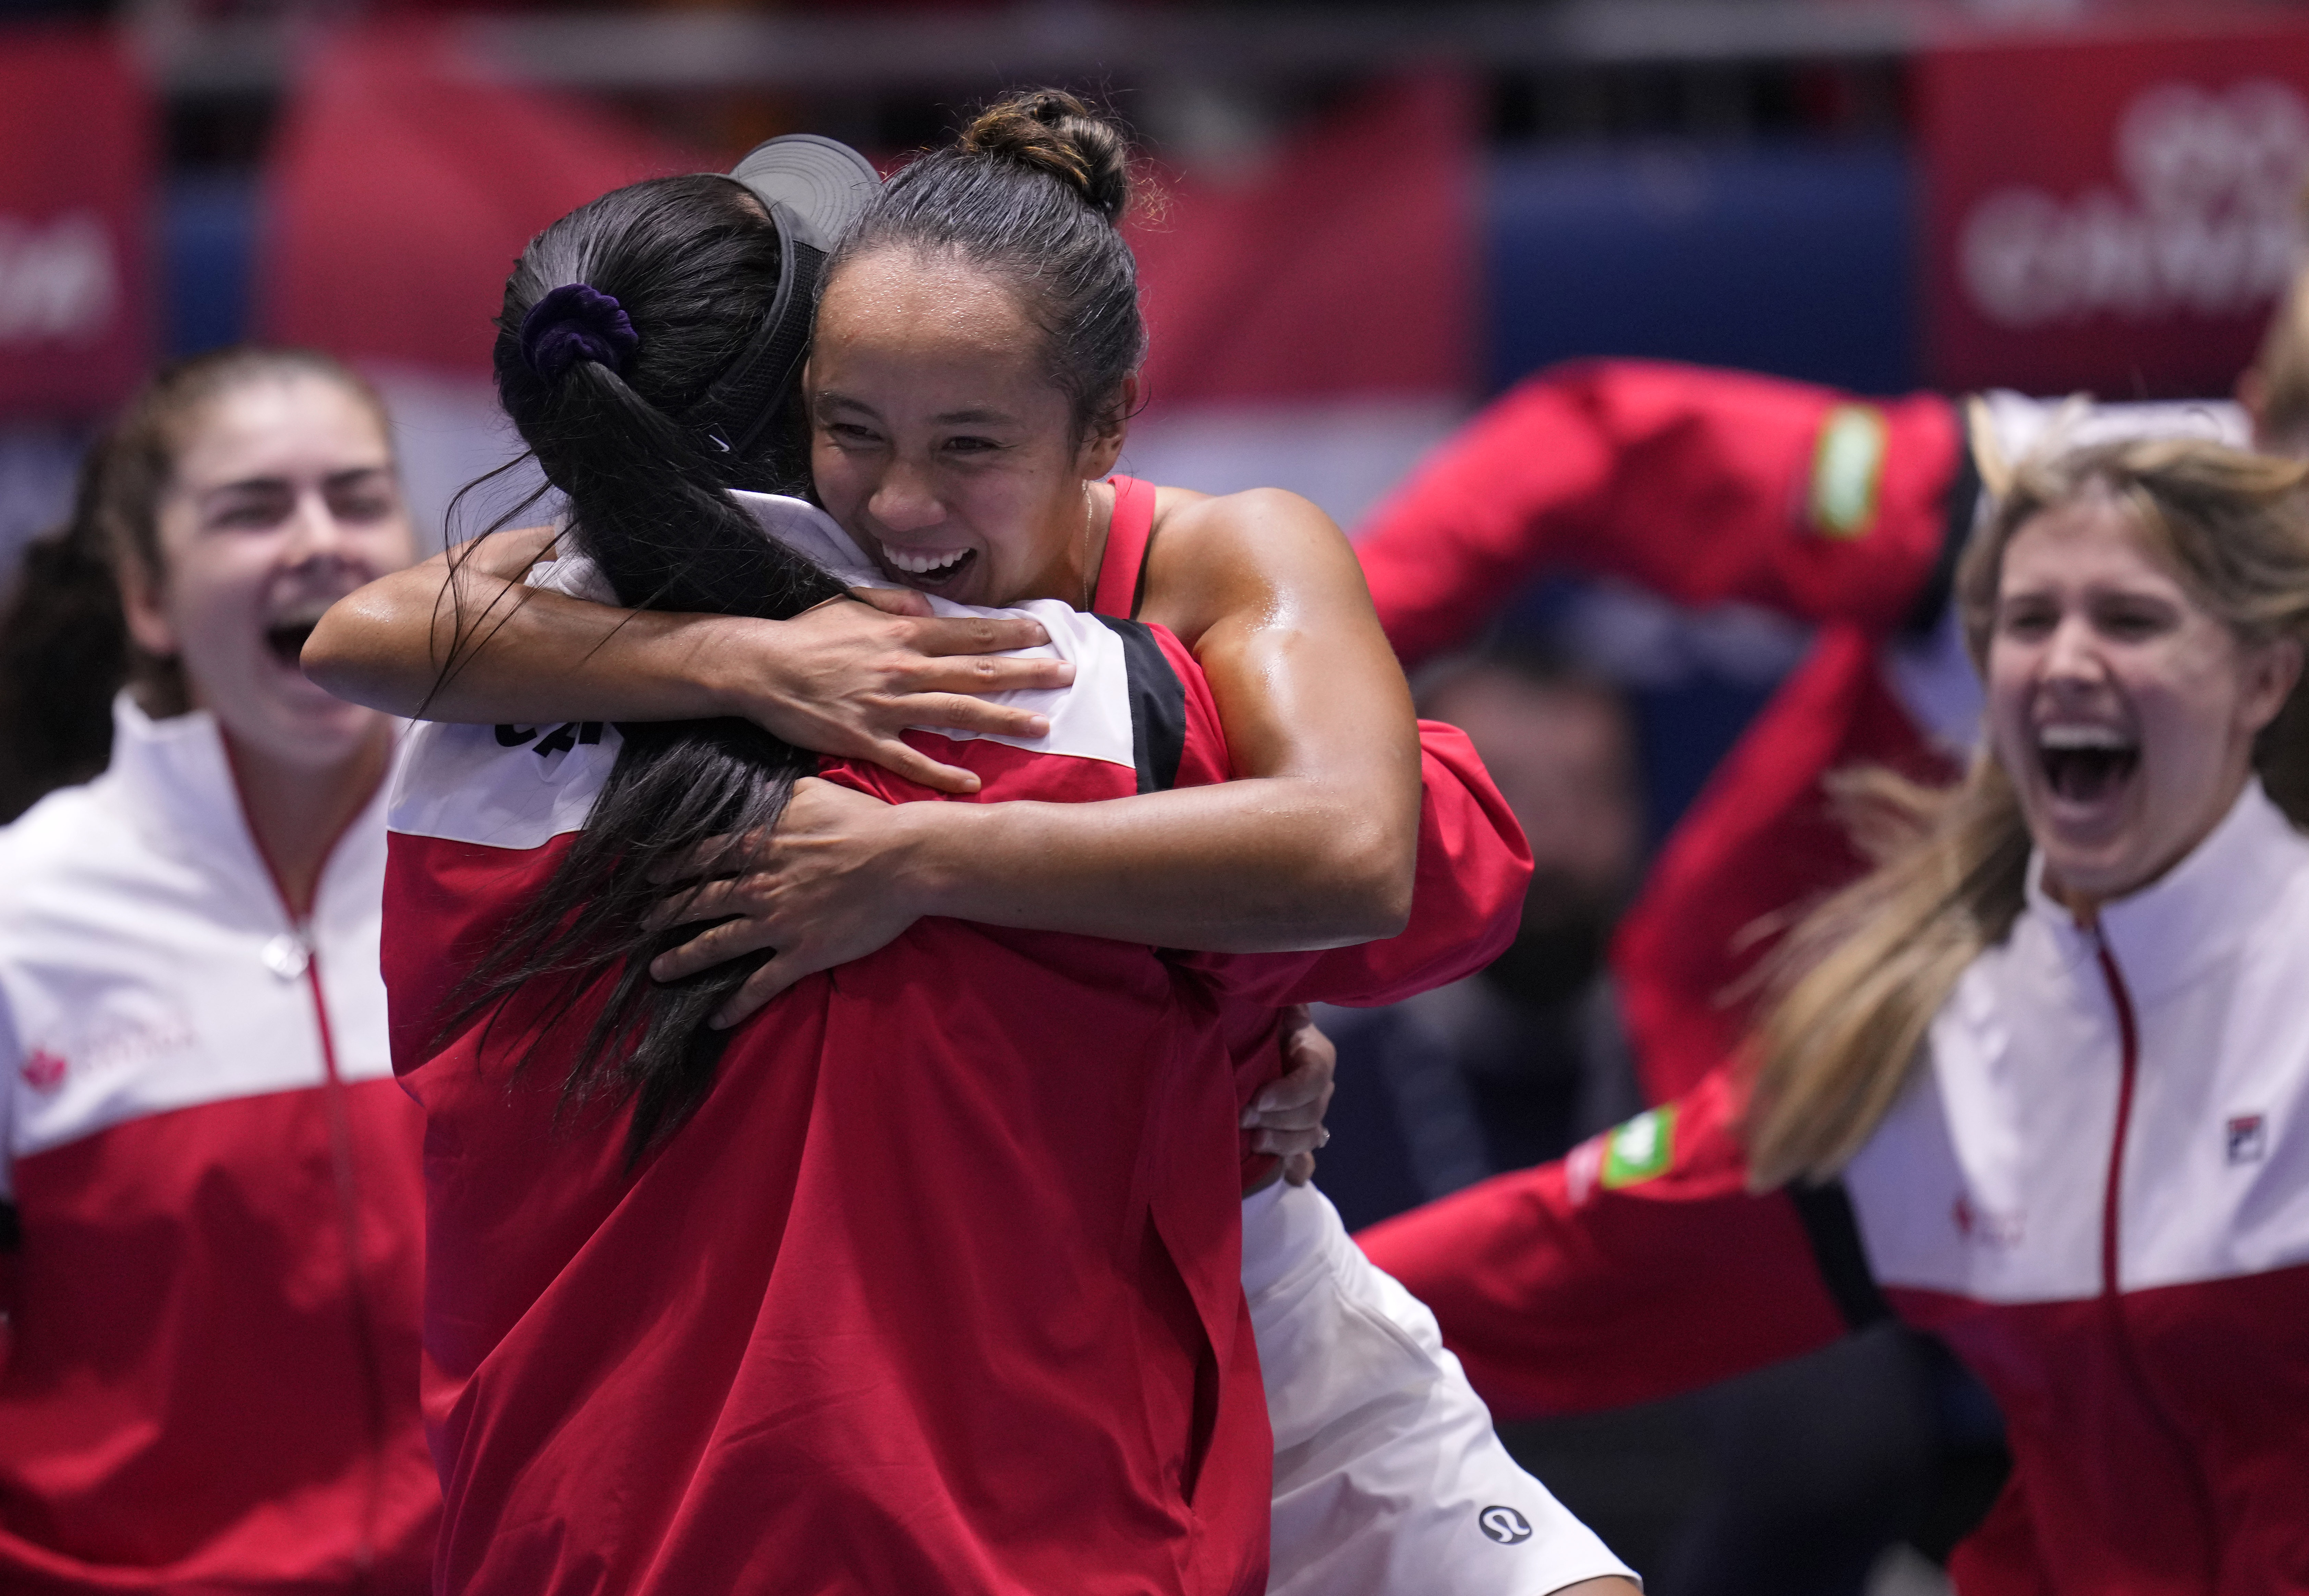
{"points": [[2094, 1189], [940, 1287]]}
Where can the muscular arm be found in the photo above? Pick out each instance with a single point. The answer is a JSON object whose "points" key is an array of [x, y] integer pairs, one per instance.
{"points": [[521, 654], [1311, 846]]}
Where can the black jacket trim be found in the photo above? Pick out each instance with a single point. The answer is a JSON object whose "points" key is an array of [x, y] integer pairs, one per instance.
{"points": [[1961, 505], [1158, 706], [1835, 1235]]}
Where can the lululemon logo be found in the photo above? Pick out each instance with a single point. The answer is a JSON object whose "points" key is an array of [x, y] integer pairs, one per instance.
{"points": [[1504, 1526]]}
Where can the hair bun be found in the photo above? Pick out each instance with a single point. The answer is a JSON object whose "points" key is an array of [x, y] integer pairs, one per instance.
{"points": [[1053, 132]]}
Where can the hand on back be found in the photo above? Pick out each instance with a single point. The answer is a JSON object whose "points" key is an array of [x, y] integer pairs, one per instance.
{"points": [[826, 887], [846, 678]]}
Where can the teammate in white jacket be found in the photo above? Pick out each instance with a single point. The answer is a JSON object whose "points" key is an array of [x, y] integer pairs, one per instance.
{"points": [[211, 1255], [2038, 1087]]}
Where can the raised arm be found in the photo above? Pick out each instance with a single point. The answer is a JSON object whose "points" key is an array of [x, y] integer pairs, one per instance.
{"points": [[842, 679], [1700, 485], [1636, 1267]]}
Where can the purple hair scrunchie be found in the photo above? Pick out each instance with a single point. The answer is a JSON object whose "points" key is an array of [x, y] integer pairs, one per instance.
{"points": [[576, 322]]}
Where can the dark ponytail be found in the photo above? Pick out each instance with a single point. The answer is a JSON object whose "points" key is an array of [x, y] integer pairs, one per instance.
{"points": [[1035, 192], [64, 654], [617, 319]]}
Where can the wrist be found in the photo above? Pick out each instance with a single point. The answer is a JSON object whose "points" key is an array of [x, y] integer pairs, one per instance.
{"points": [[933, 845], [732, 678]]}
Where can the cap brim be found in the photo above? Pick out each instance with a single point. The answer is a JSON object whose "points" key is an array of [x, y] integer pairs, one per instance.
{"points": [[822, 184]]}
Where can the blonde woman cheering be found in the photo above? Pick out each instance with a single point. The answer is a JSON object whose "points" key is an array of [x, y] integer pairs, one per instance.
{"points": [[2036, 1084]]}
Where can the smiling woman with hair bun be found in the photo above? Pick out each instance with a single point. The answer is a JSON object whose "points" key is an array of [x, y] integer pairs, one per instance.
{"points": [[967, 396]]}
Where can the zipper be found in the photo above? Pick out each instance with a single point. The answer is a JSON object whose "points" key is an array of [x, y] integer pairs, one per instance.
{"points": [[365, 1347], [2128, 1033], [347, 1187], [347, 1181], [2128, 1036]]}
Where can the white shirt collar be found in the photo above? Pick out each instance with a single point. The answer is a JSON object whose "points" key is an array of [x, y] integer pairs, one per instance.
{"points": [[2195, 912]]}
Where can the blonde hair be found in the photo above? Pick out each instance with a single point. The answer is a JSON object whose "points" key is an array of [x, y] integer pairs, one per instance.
{"points": [[1859, 980], [2281, 365]]}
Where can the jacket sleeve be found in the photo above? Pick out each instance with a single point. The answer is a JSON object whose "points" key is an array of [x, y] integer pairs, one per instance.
{"points": [[1466, 899], [1636, 1267], [1762, 841], [12, 1066], [1699, 484]]}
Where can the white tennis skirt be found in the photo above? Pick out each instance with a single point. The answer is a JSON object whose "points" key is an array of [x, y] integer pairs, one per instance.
{"points": [[1389, 1477]]}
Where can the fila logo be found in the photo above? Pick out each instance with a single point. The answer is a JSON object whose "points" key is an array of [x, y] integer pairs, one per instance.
{"points": [[2247, 1139], [1504, 1526]]}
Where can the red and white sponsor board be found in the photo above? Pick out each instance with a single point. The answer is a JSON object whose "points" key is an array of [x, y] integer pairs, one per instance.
{"points": [[76, 187], [2115, 214]]}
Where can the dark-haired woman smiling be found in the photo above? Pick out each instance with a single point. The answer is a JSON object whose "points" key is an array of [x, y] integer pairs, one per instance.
{"points": [[978, 340]]}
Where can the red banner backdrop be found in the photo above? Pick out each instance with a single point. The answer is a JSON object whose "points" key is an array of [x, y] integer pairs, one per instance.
{"points": [[1341, 265], [77, 193], [404, 184], [2115, 215]]}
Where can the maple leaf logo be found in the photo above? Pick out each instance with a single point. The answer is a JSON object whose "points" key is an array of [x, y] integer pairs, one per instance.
{"points": [[44, 1070]]}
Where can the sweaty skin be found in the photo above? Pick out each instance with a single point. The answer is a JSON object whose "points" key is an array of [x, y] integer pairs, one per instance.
{"points": [[842, 680], [941, 444]]}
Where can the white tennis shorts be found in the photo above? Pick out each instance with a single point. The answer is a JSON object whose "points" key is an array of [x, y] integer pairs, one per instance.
{"points": [[1389, 1477]]}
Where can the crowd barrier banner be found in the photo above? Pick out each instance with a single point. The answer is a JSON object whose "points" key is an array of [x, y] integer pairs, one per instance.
{"points": [[76, 198], [2113, 214]]}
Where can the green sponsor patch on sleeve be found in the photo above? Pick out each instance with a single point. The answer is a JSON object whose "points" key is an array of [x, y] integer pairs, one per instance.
{"points": [[1640, 1150], [1847, 471]]}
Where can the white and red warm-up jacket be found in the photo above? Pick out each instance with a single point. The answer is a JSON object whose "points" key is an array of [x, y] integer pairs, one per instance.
{"points": [[2130, 1292], [2096, 1189], [939, 1287], [214, 1259]]}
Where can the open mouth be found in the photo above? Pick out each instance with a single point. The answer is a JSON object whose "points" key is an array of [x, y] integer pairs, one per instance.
{"points": [[2086, 763], [930, 567], [285, 636]]}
